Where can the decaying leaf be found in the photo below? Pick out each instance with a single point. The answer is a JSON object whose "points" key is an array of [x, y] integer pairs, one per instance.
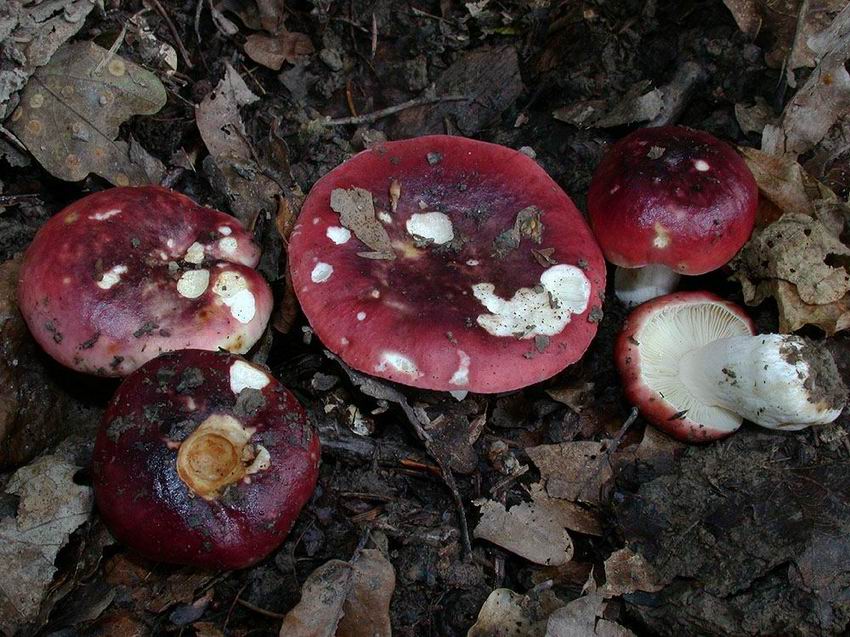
{"points": [[638, 104], [31, 32], [356, 211], [823, 98], [71, 109], [533, 530], [287, 310], [575, 471], [50, 507], [233, 167], [794, 313], [753, 118], [584, 617], [345, 598], [627, 572], [273, 51], [453, 436], [509, 614], [526, 226]]}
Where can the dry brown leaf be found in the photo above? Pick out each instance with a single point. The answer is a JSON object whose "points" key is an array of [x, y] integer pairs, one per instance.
{"points": [[753, 118], [584, 617], [531, 530], [658, 450], [575, 471], [627, 572], [286, 311], [273, 51], [72, 108], [344, 598], [746, 14], [575, 396], [794, 313], [357, 213], [50, 507], [638, 104], [571, 516], [509, 614]]}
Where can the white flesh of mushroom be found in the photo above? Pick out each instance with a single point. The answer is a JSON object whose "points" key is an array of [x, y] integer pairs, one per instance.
{"points": [[634, 286]]}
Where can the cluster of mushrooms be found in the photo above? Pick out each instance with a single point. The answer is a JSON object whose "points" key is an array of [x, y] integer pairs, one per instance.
{"points": [[474, 268]]}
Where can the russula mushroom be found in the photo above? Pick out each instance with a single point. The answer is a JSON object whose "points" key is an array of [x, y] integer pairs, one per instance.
{"points": [[122, 275], [203, 458], [668, 201], [693, 365], [448, 264]]}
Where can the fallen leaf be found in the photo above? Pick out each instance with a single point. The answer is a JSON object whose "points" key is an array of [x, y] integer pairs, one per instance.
{"points": [[794, 313], [575, 396], [509, 614], [286, 311], [823, 98], [571, 516], [746, 14], [31, 32], [530, 529], [72, 108], [627, 572], [753, 118], [51, 506], [356, 211], [345, 598], [638, 104], [233, 165], [575, 471], [453, 436], [152, 588], [584, 617], [273, 51], [527, 225]]}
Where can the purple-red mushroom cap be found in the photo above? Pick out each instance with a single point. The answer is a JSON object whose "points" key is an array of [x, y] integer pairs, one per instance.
{"points": [[122, 275], [448, 264], [205, 459]]}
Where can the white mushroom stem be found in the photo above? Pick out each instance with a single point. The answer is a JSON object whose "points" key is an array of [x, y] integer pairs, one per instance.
{"points": [[634, 286], [778, 381]]}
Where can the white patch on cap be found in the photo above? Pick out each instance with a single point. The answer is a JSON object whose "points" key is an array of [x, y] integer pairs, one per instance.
{"points": [[338, 235], [701, 165], [385, 217], [662, 237], [111, 276], [461, 375], [228, 245], [397, 363], [431, 225], [245, 376], [193, 283], [170, 243], [361, 316], [103, 216], [233, 290], [472, 263], [544, 310], [321, 272], [195, 253], [225, 230], [262, 460]]}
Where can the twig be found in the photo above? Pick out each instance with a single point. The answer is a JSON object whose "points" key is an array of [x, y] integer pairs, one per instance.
{"points": [[180, 46], [368, 118], [13, 139], [610, 449], [14, 200], [119, 40], [233, 605], [260, 611]]}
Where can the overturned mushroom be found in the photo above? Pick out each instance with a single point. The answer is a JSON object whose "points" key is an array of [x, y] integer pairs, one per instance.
{"points": [[694, 367], [125, 274], [668, 201], [448, 264], [204, 459]]}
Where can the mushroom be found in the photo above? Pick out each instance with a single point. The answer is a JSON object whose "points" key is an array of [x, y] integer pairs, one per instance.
{"points": [[693, 365], [448, 264], [122, 275], [668, 201], [203, 458]]}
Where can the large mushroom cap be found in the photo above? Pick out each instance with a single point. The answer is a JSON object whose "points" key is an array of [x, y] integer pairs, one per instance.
{"points": [[204, 459], [122, 275], [672, 196], [648, 352], [448, 264]]}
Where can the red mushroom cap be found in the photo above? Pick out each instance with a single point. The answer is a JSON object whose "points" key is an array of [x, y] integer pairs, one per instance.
{"points": [[203, 458], [122, 275], [477, 272], [654, 338], [672, 196]]}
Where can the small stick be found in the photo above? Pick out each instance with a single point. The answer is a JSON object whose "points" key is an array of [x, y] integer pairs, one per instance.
{"points": [[180, 46], [112, 50], [368, 118], [261, 611]]}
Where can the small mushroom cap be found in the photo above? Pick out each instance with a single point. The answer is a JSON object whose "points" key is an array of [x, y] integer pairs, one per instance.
{"points": [[122, 275], [672, 196], [653, 341], [203, 458], [492, 279]]}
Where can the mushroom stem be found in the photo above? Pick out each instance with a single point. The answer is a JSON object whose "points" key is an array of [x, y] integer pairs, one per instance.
{"points": [[634, 286], [778, 381]]}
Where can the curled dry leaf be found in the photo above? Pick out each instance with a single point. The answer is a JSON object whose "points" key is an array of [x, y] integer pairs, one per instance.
{"points": [[575, 471], [533, 530], [71, 109], [627, 572], [50, 507], [345, 598], [509, 614], [273, 51], [356, 211]]}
